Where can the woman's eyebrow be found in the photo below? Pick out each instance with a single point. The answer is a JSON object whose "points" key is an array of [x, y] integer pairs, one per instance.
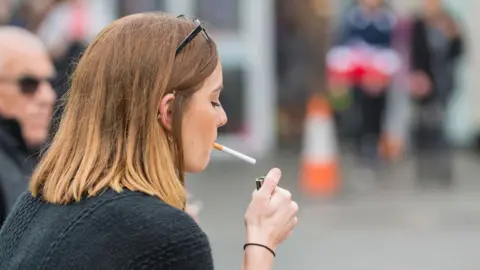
{"points": [[218, 89]]}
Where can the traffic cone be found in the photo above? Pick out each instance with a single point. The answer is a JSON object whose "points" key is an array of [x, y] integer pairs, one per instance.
{"points": [[319, 166]]}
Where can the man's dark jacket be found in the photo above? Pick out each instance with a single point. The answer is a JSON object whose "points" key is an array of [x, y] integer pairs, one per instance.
{"points": [[17, 163]]}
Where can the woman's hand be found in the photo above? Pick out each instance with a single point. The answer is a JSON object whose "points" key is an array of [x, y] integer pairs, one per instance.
{"points": [[272, 214]]}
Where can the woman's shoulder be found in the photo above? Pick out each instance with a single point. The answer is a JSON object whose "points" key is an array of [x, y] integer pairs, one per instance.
{"points": [[135, 230], [140, 208], [159, 234]]}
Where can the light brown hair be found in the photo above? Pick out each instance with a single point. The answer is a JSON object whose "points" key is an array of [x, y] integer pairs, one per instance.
{"points": [[110, 135]]}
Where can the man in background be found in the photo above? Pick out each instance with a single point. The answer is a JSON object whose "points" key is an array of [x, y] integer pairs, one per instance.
{"points": [[437, 47], [26, 104], [302, 41]]}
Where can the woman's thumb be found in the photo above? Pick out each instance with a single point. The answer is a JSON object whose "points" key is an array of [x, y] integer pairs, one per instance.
{"points": [[270, 182]]}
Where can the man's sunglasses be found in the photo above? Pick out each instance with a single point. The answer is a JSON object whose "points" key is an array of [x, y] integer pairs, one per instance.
{"points": [[29, 84], [193, 34]]}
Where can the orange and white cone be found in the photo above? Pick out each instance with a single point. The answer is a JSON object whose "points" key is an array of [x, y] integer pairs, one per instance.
{"points": [[319, 166]]}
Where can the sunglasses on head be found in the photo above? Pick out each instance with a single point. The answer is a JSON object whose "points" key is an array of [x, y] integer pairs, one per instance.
{"points": [[29, 84], [193, 34]]}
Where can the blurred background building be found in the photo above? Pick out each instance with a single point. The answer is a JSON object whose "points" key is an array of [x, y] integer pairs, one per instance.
{"points": [[274, 54]]}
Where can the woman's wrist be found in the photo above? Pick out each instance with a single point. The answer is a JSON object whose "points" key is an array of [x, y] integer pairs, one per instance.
{"points": [[257, 257], [260, 239], [259, 245]]}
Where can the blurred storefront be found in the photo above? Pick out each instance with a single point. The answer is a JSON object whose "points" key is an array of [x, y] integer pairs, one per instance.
{"points": [[244, 32], [257, 92]]}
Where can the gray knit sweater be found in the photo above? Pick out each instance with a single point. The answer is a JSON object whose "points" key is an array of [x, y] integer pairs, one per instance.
{"points": [[128, 230]]}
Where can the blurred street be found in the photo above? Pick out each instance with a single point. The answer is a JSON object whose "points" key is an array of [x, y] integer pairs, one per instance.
{"points": [[388, 223]]}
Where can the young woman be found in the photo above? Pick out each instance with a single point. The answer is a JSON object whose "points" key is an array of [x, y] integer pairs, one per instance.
{"points": [[109, 193]]}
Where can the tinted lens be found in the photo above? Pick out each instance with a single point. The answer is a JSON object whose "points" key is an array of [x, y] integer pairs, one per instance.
{"points": [[29, 85]]}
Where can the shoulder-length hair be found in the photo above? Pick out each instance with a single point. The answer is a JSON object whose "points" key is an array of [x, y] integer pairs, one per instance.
{"points": [[110, 135]]}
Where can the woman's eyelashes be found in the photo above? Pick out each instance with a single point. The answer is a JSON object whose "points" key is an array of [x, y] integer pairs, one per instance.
{"points": [[216, 104]]}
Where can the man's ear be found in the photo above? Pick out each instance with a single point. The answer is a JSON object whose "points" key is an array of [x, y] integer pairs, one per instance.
{"points": [[165, 111]]}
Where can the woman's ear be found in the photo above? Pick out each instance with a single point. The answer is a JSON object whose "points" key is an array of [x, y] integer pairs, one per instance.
{"points": [[165, 111]]}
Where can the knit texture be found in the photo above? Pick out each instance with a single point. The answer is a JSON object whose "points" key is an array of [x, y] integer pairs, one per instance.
{"points": [[128, 230]]}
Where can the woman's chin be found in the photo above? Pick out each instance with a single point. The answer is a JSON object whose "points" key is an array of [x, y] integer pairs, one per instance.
{"points": [[197, 166]]}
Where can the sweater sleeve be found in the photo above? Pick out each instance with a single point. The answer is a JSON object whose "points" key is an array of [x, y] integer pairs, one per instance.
{"points": [[180, 245]]}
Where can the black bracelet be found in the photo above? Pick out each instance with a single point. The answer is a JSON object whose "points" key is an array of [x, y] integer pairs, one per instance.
{"points": [[260, 245]]}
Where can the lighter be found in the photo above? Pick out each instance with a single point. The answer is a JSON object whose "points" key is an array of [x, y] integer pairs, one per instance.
{"points": [[259, 182]]}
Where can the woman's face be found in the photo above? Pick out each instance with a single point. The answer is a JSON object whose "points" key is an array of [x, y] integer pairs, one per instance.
{"points": [[201, 119]]}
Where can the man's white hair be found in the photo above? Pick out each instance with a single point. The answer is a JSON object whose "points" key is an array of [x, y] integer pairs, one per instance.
{"points": [[15, 40]]}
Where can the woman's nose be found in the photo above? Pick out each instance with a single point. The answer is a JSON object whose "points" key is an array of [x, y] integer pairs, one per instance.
{"points": [[223, 119]]}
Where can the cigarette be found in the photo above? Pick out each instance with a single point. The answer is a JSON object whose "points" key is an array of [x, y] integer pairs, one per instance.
{"points": [[232, 152]]}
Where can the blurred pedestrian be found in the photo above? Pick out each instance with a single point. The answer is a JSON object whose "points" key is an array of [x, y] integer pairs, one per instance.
{"points": [[29, 14], [61, 25], [26, 104], [369, 23], [5, 11], [109, 193], [301, 43], [436, 47]]}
